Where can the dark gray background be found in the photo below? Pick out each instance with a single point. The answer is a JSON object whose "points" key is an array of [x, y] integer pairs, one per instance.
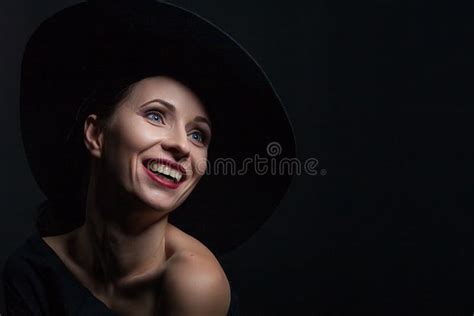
{"points": [[381, 93]]}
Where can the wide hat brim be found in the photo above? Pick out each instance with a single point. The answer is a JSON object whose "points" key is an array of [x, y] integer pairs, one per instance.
{"points": [[91, 44]]}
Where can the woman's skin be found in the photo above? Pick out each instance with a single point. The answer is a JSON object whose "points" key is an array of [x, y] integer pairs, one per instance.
{"points": [[126, 253]]}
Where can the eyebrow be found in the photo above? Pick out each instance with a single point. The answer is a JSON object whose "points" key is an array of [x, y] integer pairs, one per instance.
{"points": [[172, 108]]}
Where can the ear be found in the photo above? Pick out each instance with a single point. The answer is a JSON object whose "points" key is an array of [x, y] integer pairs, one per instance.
{"points": [[93, 135]]}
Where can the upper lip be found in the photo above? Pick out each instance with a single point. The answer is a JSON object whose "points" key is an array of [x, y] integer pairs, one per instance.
{"points": [[170, 164]]}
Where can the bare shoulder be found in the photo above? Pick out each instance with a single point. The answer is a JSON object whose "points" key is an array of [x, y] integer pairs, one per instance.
{"points": [[194, 281], [59, 244]]}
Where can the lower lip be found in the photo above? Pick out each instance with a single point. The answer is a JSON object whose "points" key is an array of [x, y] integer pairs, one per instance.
{"points": [[163, 182]]}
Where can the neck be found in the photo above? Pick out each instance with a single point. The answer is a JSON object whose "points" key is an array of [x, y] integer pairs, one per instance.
{"points": [[122, 242], [115, 257]]}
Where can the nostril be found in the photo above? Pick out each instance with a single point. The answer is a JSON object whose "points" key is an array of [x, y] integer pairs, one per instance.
{"points": [[177, 143], [178, 151]]}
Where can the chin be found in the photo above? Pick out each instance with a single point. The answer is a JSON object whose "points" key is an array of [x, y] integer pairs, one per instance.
{"points": [[160, 202], [165, 200]]}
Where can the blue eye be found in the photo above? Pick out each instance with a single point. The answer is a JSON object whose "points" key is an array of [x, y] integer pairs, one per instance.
{"points": [[155, 117], [197, 136]]}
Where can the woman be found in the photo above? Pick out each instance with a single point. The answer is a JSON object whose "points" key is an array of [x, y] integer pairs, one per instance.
{"points": [[121, 104]]}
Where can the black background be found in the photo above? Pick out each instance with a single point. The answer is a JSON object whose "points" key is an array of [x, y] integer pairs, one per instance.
{"points": [[380, 92]]}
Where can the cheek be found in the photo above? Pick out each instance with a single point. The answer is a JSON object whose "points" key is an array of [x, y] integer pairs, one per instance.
{"points": [[201, 163], [134, 136], [125, 142]]}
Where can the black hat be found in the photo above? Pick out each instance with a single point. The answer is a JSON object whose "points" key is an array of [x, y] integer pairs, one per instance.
{"points": [[95, 45]]}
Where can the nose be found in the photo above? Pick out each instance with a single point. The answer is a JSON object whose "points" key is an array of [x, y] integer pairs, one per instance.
{"points": [[176, 143]]}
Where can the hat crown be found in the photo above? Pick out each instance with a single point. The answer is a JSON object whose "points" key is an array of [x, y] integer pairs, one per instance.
{"points": [[109, 2]]}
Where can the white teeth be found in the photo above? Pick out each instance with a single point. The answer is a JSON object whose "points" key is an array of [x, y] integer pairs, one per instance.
{"points": [[166, 170], [154, 166]]}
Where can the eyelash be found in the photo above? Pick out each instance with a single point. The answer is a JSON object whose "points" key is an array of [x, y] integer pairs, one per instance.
{"points": [[154, 112], [203, 137]]}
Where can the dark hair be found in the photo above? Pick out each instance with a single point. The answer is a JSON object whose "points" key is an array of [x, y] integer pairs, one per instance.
{"points": [[54, 217]]}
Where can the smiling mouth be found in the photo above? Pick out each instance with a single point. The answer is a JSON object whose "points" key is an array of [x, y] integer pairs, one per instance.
{"points": [[163, 170]]}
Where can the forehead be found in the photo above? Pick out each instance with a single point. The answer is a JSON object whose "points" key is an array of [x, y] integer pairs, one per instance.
{"points": [[167, 89]]}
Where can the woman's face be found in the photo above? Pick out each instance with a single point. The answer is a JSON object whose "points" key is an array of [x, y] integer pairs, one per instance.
{"points": [[155, 143]]}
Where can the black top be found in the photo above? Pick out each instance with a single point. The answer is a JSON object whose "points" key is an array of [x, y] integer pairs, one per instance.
{"points": [[36, 282]]}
